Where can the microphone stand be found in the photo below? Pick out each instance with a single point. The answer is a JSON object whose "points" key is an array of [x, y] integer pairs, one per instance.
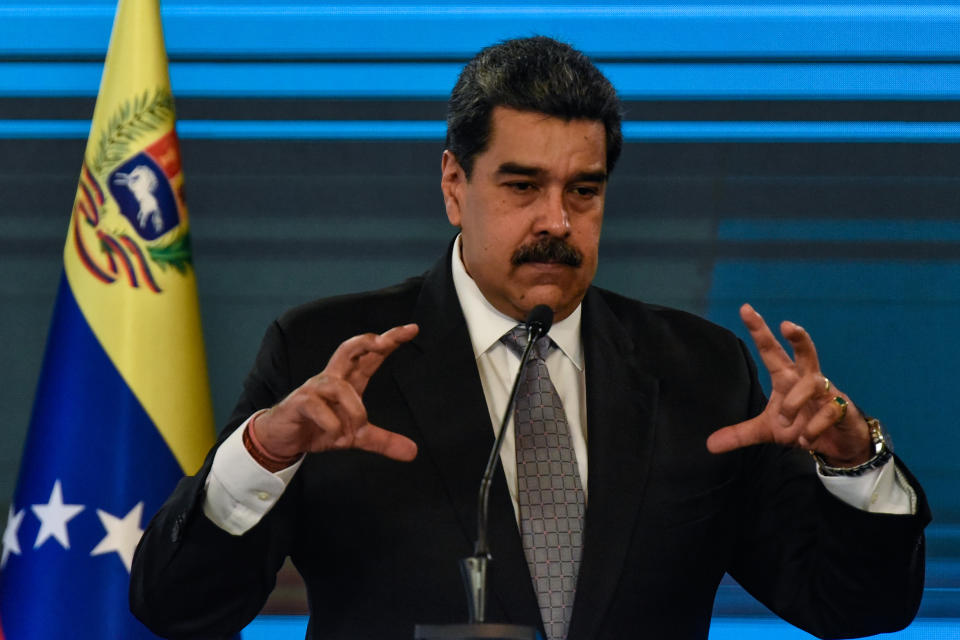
{"points": [[473, 569]]}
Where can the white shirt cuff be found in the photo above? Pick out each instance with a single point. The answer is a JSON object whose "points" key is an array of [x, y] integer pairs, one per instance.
{"points": [[239, 492], [881, 490]]}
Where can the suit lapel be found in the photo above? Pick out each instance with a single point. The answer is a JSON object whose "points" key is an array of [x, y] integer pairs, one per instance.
{"points": [[621, 407], [439, 379]]}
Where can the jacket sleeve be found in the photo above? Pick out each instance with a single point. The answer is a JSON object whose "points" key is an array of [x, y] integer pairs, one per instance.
{"points": [[827, 567], [189, 577]]}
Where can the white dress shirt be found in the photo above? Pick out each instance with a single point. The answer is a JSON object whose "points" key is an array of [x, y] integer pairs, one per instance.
{"points": [[498, 365], [239, 492]]}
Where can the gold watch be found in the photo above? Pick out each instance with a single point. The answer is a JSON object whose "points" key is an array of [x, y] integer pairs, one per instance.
{"points": [[882, 452]]}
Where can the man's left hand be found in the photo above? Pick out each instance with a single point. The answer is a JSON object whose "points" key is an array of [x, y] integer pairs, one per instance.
{"points": [[805, 409]]}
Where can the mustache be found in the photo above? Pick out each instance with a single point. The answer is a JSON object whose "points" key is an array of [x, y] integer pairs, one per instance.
{"points": [[548, 249]]}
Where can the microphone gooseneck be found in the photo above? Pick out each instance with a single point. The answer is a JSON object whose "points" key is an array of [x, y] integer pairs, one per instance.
{"points": [[538, 323]]}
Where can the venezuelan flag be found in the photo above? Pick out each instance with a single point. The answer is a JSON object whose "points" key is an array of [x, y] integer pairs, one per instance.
{"points": [[122, 407]]}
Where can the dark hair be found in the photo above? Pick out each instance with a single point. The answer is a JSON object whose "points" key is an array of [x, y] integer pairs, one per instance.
{"points": [[529, 74]]}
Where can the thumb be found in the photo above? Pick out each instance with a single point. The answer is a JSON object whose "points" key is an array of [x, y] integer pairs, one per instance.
{"points": [[385, 443], [736, 436]]}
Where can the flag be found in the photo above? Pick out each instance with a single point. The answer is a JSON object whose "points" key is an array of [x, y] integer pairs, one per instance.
{"points": [[122, 408]]}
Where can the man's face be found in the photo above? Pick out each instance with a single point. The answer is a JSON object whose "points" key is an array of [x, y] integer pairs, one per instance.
{"points": [[531, 212]]}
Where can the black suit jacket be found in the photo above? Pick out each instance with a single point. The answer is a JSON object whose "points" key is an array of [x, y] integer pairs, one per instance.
{"points": [[377, 541]]}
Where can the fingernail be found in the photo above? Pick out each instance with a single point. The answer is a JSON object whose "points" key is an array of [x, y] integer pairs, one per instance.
{"points": [[803, 442], [783, 420]]}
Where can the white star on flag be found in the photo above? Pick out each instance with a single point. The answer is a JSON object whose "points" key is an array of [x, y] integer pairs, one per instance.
{"points": [[11, 544], [54, 517], [123, 534]]}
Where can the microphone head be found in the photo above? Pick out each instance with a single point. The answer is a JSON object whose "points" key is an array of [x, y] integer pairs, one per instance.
{"points": [[540, 320]]}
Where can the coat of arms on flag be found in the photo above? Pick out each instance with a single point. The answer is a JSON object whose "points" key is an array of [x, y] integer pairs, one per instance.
{"points": [[129, 213]]}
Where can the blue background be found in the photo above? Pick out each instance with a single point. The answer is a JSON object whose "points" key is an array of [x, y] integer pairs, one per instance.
{"points": [[798, 156]]}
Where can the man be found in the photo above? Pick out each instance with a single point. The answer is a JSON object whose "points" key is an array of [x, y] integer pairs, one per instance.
{"points": [[377, 513]]}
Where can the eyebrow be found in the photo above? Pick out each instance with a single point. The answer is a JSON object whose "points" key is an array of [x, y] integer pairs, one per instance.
{"points": [[591, 176], [512, 168]]}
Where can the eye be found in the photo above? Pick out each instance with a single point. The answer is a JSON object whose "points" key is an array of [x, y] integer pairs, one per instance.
{"points": [[520, 186], [586, 192]]}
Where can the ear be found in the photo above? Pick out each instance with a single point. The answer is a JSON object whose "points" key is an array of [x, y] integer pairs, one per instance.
{"points": [[452, 181]]}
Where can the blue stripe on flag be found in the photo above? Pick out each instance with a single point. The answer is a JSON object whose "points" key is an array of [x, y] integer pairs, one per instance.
{"points": [[90, 433]]}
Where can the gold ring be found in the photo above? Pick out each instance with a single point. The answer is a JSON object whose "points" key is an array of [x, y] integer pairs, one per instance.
{"points": [[840, 402], [826, 384]]}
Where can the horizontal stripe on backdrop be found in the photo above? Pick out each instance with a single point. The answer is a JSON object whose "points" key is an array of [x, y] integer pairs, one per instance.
{"points": [[703, 80], [932, 132], [442, 30]]}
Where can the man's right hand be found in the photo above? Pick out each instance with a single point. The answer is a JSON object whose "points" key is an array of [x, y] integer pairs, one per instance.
{"points": [[327, 412]]}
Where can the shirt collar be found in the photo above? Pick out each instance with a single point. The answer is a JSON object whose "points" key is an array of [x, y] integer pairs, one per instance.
{"points": [[486, 324]]}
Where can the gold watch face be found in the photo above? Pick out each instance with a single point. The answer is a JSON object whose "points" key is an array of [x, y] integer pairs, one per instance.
{"points": [[881, 439]]}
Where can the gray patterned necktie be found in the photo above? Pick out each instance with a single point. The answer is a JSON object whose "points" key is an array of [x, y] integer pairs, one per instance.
{"points": [[549, 491]]}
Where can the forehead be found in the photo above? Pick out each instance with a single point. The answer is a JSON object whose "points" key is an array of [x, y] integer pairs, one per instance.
{"points": [[536, 139]]}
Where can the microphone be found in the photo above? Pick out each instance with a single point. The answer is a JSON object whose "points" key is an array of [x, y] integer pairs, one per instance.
{"points": [[538, 323], [540, 320], [473, 569]]}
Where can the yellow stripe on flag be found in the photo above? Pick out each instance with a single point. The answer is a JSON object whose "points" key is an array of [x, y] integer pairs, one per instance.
{"points": [[127, 256]]}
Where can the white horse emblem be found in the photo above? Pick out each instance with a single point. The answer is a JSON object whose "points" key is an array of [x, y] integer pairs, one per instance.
{"points": [[142, 182]]}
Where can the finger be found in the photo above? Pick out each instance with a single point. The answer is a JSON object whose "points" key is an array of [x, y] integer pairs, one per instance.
{"points": [[807, 389], [347, 358], [384, 344], [827, 416], [327, 407], [775, 359], [367, 364], [320, 415], [737, 436], [323, 426], [372, 438], [398, 335], [804, 351], [342, 399], [305, 405]]}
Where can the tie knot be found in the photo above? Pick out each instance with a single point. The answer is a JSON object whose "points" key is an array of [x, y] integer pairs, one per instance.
{"points": [[516, 340]]}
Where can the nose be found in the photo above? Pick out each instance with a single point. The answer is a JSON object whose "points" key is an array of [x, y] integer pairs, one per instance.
{"points": [[552, 217]]}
